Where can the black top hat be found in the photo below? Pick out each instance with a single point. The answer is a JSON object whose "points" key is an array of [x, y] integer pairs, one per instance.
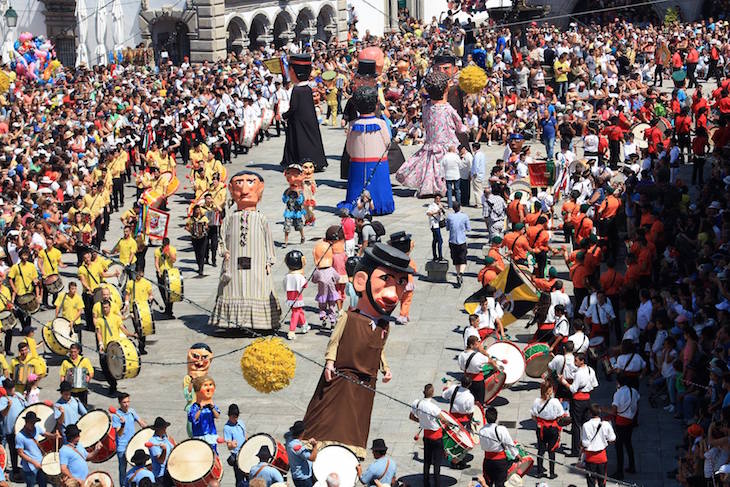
{"points": [[390, 257], [31, 417], [139, 458], [379, 445], [302, 65], [160, 423], [366, 68], [72, 431], [444, 59], [297, 428], [401, 241], [264, 454]]}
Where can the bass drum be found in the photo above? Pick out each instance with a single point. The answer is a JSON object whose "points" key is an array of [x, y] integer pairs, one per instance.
{"points": [[664, 124], [173, 284], [639, 138]]}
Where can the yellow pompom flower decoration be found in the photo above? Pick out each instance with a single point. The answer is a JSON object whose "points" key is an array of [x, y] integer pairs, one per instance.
{"points": [[472, 79], [268, 365]]}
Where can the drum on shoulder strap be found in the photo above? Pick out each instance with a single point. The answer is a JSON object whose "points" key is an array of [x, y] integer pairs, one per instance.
{"points": [[123, 359], [173, 283], [336, 459]]}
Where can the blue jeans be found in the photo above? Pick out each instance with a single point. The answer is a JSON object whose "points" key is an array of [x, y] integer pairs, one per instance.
{"points": [[34, 478], [672, 389], [437, 243], [303, 482], [453, 189], [549, 146], [122, 461]]}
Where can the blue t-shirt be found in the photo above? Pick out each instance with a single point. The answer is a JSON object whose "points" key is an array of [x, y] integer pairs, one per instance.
{"points": [[266, 472], [548, 127], [158, 469], [235, 431], [16, 407], [129, 419], [28, 444], [205, 425], [136, 474], [726, 400], [74, 457], [376, 469], [72, 411], [301, 467]]}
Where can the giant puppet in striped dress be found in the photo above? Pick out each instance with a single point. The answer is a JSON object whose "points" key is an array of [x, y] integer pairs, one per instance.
{"points": [[246, 296]]}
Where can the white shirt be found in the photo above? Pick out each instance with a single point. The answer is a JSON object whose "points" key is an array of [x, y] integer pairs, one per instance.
{"points": [[469, 332], [552, 410], [493, 312], [562, 327], [465, 165], [476, 363], [669, 357], [594, 439], [451, 162], [464, 401], [563, 364], [658, 344], [629, 362], [495, 438], [584, 380], [626, 400], [643, 315], [598, 313], [631, 334], [580, 342], [427, 413], [558, 297]]}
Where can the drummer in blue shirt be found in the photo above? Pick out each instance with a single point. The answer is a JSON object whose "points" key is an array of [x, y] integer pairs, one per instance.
{"points": [[383, 469], [26, 443], [160, 451], [300, 457], [67, 410], [11, 405], [234, 432], [123, 421], [263, 470], [73, 455], [139, 471]]}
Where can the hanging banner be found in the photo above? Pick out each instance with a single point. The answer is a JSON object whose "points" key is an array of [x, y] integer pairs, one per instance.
{"points": [[156, 223]]}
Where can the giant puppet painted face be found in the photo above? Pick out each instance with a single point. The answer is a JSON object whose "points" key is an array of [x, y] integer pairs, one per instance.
{"points": [[380, 279], [374, 54], [294, 176], [199, 357], [246, 189], [308, 170], [204, 387]]}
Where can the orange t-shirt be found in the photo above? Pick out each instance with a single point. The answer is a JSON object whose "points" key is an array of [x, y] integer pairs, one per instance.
{"points": [[498, 262], [517, 244], [609, 207], [487, 274], [531, 218], [515, 211], [544, 285], [632, 275], [578, 274], [583, 227], [611, 282], [538, 238], [570, 209], [594, 256]]}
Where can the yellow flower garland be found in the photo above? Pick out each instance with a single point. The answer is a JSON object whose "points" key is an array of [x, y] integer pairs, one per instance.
{"points": [[268, 365], [472, 79]]}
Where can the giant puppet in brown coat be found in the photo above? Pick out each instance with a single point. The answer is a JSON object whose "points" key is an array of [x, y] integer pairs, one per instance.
{"points": [[339, 411]]}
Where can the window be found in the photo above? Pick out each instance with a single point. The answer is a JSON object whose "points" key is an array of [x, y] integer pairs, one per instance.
{"points": [[66, 50]]}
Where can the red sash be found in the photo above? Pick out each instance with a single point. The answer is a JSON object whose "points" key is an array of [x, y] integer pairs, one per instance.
{"points": [[485, 332], [461, 418], [582, 396], [476, 377], [546, 326], [495, 455], [433, 434], [622, 421], [596, 456]]}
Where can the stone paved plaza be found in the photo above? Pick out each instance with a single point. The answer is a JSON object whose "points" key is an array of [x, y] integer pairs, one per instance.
{"points": [[423, 351]]}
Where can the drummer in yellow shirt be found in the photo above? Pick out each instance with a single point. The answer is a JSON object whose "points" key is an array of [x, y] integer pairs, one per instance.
{"points": [[49, 262], [69, 305], [138, 290], [74, 360], [6, 304], [23, 279], [107, 295], [165, 258], [117, 166], [200, 183], [91, 274], [127, 248], [25, 364], [109, 328]]}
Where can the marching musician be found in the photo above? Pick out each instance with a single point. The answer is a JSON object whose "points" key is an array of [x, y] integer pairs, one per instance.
{"points": [[300, 456], [382, 471], [584, 381], [197, 225], [516, 210], [561, 330], [25, 364], [472, 329], [138, 290], [200, 182], [95, 202], [83, 233], [471, 362], [109, 328], [495, 243], [581, 342], [426, 413], [630, 363], [165, 258], [545, 411], [73, 361], [73, 455], [106, 294], [117, 166], [461, 407], [70, 306], [139, 470], [563, 365], [496, 441], [49, 262], [234, 432], [595, 436], [624, 408], [214, 213], [67, 410], [123, 421], [23, 279], [490, 314], [6, 303], [26, 444], [91, 273], [263, 470], [538, 238], [162, 445], [517, 244], [127, 248]]}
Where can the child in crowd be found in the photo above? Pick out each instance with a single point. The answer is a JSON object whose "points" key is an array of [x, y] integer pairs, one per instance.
{"points": [[294, 284]]}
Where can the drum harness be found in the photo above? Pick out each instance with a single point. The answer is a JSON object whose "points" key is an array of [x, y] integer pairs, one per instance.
{"points": [[53, 268], [22, 277]]}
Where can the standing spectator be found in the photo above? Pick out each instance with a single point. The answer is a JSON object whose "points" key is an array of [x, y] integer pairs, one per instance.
{"points": [[436, 221], [457, 224], [234, 432], [548, 124], [478, 174], [451, 163], [464, 172]]}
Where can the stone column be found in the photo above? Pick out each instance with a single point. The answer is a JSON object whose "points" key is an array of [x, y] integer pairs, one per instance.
{"points": [[210, 44], [342, 20]]}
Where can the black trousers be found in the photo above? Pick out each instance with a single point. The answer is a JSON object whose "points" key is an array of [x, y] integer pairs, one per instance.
{"points": [[82, 396], [117, 193], [240, 476], [165, 294], [698, 169], [623, 440], [579, 414], [691, 79], [107, 374], [8, 342], [433, 453], [437, 243], [88, 310], [546, 440], [658, 73], [465, 188], [200, 246], [10, 438], [579, 293], [614, 147], [495, 472], [213, 235], [477, 389], [541, 261], [597, 475]]}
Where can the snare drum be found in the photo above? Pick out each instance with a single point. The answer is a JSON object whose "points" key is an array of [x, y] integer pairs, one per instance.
{"points": [[98, 479], [51, 466], [123, 359], [96, 427], [28, 303], [173, 285], [537, 358], [59, 335], [137, 443], [521, 465], [457, 440], [493, 383], [477, 422], [336, 459], [45, 414], [248, 454], [193, 463], [144, 324], [7, 320], [510, 358], [53, 284]]}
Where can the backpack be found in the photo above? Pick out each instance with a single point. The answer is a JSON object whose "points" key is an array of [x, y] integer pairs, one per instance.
{"points": [[378, 228]]}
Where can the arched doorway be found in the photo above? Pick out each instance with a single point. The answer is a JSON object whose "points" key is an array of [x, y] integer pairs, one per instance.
{"points": [[306, 28], [237, 36], [326, 23], [259, 35], [283, 29], [170, 40]]}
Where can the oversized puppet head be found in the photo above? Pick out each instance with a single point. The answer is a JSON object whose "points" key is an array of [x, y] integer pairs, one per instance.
{"points": [[373, 53], [300, 67], [308, 169], [199, 357], [294, 176], [437, 85], [366, 100], [204, 387], [446, 63], [366, 74], [380, 279], [246, 189]]}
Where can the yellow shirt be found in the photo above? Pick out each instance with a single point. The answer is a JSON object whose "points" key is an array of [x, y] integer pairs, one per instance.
{"points": [[111, 330], [23, 276], [70, 306], [218, 193], [32, 346], [212, 167], [4, 365], [50, 258], [6, 296], [22, 369], [100, 265], [561, 71], [116, 302], [127, 250], [128, 214], [153, 158], [138, 290], [92, 276], [69, 364], [199, 154], [200, 185], [164, 261], [166, 164]]}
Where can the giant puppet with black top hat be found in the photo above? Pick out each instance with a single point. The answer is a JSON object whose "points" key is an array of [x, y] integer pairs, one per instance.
{"points": [[303, 139], [340, 409]]}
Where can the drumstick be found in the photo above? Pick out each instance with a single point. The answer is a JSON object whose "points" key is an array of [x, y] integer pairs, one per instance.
{"points": [[48, 403], [415, 437]]}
